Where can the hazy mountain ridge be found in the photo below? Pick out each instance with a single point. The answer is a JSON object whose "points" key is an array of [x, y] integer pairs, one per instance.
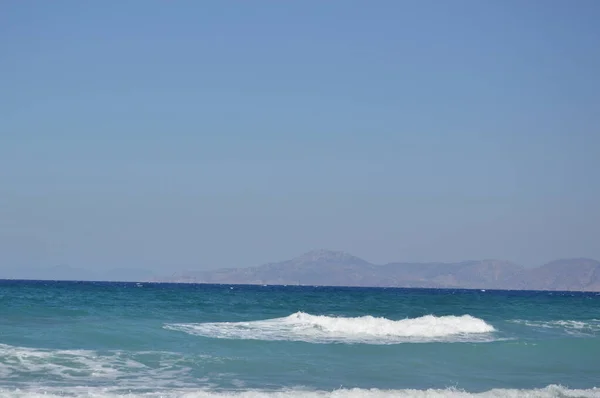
{"points": [[333, 268]]}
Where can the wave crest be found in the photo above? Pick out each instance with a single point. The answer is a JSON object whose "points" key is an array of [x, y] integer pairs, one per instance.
{"points": [[301, 326]]}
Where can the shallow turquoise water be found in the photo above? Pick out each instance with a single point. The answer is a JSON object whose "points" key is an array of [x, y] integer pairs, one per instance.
{"points": [[106, 339]]}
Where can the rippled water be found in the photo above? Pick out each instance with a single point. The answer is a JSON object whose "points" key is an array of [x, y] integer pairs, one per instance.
{"points": [[115, 339]]}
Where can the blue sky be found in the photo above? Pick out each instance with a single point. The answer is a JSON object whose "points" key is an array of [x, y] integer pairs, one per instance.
{"points": [[204, 134]]}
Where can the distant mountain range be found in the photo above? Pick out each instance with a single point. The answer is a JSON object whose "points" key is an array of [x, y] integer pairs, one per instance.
{"points": [[334, 268]]}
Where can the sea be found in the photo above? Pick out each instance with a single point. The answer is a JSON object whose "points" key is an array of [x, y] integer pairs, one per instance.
{"points": [[101, 339]]}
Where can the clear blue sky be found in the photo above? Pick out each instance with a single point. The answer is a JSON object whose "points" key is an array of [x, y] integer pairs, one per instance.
{"points": [[203, 134]]}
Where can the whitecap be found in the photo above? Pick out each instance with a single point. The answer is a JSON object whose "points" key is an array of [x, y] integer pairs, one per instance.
{"points": [[305, 327]]}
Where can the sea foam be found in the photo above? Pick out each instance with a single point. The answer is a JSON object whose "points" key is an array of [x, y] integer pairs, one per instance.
{"points": [[579, 328], [305, 327], [130, 370], [552, 391]]}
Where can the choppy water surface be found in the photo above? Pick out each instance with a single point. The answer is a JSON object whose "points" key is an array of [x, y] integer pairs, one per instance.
{"points": [[165, 340]]}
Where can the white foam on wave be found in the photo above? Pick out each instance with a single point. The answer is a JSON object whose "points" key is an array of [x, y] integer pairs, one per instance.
{"points": [[575, 328], [162, 369], [552, 391], [301, 326]]}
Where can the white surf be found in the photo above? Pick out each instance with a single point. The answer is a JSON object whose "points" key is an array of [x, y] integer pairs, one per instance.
{"points": [[305, 327], [553, 391]]}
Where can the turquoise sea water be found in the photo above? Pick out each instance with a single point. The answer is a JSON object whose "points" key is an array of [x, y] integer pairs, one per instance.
{"points": [[116, 339]]}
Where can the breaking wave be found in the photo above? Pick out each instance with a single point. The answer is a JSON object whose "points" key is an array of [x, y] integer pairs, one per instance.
{"points": [[305, 327], [552, 391]]}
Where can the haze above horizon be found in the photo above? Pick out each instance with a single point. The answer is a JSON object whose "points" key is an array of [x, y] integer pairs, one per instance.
{"points": [[201, 135]]}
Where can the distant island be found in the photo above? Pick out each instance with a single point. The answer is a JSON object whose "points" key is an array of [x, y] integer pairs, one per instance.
{"points": [[336, 268]]}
